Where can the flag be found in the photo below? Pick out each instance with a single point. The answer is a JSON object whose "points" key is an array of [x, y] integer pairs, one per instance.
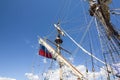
{"points": [[44, 52]]}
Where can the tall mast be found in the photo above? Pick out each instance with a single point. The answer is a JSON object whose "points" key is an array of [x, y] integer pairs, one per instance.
{"points": [[109, 36], [59, 41], [59, 58], [56, 54]]}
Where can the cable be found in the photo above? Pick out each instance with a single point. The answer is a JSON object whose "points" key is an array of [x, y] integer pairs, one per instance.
{"points": [[84, 50]]}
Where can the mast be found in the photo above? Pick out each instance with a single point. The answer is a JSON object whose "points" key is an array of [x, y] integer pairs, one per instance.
{"points": [[56, 54], [59, 41], [109, 36], [100, 10], [60, 58]]}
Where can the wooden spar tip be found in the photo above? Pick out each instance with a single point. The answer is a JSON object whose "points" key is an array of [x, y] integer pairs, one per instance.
{"points": [[60, 32]]}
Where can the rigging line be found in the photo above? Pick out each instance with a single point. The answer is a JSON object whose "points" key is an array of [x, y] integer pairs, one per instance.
{"points": [[78, 29], [91, 47], [104, 21], [113, 4], [86, 70], [84, 50], [102, 50], [50, 34], [86, 30], [117, 21], [60, 47], [109, 46], [114, 43], [108, 74], [66, 9], [105, 39], [71, 20], [111, 54], [33, 63], [83, 8], [91, 50], [70, 10], [115, 48], [99, 34], [62, 10], [88, 26], [74, 7], [35, 57], [99, 66], [96, 65]]}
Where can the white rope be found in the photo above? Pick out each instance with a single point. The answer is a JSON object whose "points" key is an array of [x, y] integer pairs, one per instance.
{"points": [[84, 34], [83, 48]]}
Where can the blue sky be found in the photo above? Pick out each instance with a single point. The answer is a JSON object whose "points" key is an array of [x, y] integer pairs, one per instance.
{"points": [[22, 21]]}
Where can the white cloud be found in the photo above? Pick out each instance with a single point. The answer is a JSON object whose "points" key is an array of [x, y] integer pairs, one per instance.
{"points": [[31, 76], [51, 75], [68, 75], [5, 78], [91, 75]]}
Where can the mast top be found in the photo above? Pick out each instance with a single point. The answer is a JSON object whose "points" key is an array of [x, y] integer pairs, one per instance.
{"points": [[58, 39], [60, 32]]}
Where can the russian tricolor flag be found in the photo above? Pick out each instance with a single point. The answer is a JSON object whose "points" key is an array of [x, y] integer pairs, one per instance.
{"points": [[44, 52]]}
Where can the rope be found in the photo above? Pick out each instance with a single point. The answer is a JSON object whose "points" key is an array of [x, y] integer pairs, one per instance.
{"points": [[84, 34], [88, 27], [84, 50], [83, 8]]}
